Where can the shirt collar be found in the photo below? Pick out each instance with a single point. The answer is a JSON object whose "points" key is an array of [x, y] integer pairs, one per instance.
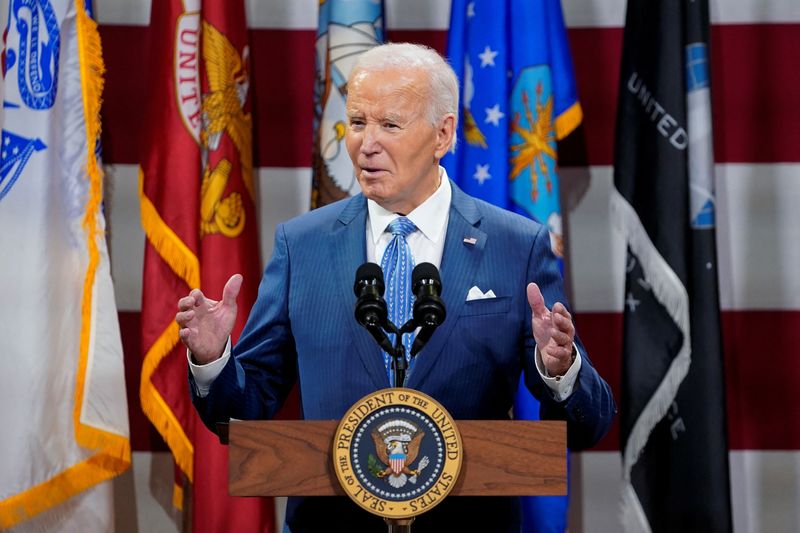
{"points": [[430, 216]]}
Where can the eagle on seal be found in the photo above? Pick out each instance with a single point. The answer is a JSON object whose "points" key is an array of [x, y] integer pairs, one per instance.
{"points": [[397, 450]]}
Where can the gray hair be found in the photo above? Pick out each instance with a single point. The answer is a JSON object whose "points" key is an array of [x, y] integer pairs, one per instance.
{"points": [[443, 98]]}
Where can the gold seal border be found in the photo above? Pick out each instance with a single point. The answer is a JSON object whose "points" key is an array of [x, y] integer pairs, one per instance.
{"points": [[343, 440]]}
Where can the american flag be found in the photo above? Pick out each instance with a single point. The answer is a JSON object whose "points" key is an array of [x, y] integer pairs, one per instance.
{"points": [[754, 58]]}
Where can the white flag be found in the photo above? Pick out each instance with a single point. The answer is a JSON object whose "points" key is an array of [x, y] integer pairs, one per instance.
{"points": [[63, 411]]}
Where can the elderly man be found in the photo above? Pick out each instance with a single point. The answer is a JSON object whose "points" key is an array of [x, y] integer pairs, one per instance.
{"points": [[402, 109]]}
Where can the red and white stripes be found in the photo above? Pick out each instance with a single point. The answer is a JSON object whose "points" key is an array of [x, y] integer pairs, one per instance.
{"points": [[755, 81]]}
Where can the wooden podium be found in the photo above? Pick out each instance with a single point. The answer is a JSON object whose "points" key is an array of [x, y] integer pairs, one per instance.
{"points": [[501, 458]]}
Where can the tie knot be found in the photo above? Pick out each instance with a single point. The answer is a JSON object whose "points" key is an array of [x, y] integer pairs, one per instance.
{"points": [[401, 226]]}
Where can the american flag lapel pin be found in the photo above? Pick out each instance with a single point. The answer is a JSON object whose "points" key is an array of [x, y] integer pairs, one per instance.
{"points": [[470, 240]]}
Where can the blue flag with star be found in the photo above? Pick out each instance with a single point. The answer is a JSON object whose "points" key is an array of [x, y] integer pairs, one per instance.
{"points": [[518, 97]]}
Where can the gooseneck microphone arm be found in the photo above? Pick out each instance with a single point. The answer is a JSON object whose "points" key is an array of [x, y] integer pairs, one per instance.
{"points": [[371, 312]]}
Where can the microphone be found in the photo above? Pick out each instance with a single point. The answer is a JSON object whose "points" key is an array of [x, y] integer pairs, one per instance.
{"points": [[429, 310], [369, 287], [371, 309]]}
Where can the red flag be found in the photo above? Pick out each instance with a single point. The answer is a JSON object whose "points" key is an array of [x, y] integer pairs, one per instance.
{"points": [[198, 212]]}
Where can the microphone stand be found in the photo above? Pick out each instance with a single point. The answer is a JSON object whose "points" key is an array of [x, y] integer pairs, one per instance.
{"points": [[399, 362], [400, 352], [371, 313], [400, 365]]}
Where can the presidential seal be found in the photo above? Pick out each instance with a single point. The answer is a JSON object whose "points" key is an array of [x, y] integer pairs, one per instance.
{"points": [[397, 453]]}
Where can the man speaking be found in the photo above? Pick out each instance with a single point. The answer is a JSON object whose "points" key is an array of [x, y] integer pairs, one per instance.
{"points": [[500, 282]]}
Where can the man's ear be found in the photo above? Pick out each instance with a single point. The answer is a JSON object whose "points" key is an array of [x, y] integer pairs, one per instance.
{"points": [[444, 135]]}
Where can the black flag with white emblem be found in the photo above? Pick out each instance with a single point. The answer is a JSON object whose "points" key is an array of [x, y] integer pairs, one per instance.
{"points": [[674, 445]]}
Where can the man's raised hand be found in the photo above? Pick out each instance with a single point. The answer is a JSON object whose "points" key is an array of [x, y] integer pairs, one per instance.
{"points": [[206, 324], [553, 331]]}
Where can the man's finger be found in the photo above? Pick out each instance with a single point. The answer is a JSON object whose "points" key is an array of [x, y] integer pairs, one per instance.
{"points": [[560, 309], [560, 352], [536, 300], [563, 323], [186, 303], [231, 290], [198, 296], [562, 338], [184, 317]]}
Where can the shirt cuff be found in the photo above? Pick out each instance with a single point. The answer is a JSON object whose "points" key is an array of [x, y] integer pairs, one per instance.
{"points": [[560, 385], [204, 375]]}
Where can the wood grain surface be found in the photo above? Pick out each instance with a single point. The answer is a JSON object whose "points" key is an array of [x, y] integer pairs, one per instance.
{"points": [[501, 458]]}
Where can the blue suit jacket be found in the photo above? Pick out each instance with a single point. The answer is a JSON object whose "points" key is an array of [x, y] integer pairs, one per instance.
{"points": [[302, 326]]}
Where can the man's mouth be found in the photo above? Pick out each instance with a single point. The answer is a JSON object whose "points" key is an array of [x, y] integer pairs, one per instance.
{"points": [[369, 172]]}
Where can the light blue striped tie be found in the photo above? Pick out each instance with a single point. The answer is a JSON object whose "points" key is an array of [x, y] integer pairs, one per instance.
{"points": [[397, 264]]}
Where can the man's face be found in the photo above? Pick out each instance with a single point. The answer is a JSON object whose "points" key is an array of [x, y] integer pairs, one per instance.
{"points": [[394, 148]]}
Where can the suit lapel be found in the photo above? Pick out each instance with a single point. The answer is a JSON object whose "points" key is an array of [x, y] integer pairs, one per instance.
{"points": [[460, 262], [347, 252]]}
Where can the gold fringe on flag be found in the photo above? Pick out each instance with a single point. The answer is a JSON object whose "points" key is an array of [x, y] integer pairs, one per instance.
{"points": [[113, 451], [185, 264], [568, 120]]}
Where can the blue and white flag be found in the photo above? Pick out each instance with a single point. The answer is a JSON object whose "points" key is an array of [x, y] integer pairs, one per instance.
{"points": [[518, 98], [346, 29], [63, 409]]}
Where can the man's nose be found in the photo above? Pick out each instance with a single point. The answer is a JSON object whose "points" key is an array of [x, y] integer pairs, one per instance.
{"points": [[370, 143]]}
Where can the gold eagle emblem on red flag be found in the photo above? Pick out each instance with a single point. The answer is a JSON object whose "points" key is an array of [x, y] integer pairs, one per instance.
{"points": [[223, 115]]}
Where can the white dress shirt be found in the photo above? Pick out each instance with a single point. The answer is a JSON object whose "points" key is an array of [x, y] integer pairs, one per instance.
{"points": [[430, 218], [427, 245]]}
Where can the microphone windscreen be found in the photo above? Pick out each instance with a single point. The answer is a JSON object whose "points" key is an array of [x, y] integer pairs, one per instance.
{"points": [[424, 271], [370, 273]]}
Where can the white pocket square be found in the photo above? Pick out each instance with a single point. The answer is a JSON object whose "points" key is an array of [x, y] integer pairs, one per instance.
{"points": [[476, 294]]}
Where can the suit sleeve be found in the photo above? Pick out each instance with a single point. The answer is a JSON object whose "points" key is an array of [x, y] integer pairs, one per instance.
{"points": [[258, 377], [590, 409]]}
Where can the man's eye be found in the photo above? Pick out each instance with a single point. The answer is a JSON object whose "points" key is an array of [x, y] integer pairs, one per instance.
{"points": [[355, 122], [390, 125]]}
